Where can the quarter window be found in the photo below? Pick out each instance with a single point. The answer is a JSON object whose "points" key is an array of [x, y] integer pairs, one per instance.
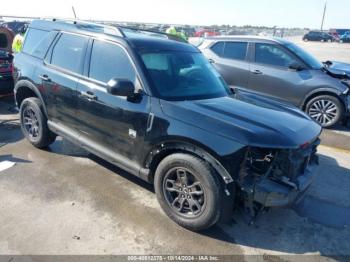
{"points": [[110, 61], [272, 55], [68, 52], [37, 42]]}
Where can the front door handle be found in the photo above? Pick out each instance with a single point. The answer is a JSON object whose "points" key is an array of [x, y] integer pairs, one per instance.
{"points": [[212, 61], [45, 78], [89, 95], [257, 72]]}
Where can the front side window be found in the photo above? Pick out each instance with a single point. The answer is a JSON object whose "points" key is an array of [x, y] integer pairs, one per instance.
{"points": [[110, 61], [68, 52], [235, 50], [305, 56], [37, 42], [183, 76], [273, 55]]}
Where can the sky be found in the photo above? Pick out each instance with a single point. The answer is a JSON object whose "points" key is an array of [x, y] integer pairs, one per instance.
{"points": [[280, 13]]}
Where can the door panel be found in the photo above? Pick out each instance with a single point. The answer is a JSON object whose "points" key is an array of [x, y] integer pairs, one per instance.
{"points": [[115, 122], [60, 74], [112, 121], [229, 59], [270, 74]]}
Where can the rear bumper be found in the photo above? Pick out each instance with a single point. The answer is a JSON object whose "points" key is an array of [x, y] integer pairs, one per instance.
{"points": [[277, 194]]}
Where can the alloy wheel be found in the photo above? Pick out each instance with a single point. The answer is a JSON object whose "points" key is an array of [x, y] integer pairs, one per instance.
{"points": [[31, 123], [184, 193], [324, 111]]}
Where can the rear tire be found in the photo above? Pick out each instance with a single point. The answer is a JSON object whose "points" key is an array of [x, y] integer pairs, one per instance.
{"points": [[34, 123], [326, 110], [188, 191]]}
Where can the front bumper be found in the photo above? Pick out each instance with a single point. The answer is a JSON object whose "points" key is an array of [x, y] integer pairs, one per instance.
{"points": [[270, 193]]}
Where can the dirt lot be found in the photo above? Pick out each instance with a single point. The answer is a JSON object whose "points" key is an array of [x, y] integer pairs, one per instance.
{"points": [[65, 201]]}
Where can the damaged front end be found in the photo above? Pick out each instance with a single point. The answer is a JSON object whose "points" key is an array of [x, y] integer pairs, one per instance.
{"points": [[275, 177]]}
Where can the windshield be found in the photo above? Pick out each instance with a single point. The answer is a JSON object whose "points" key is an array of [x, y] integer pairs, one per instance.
{"points": [[183, 76], [305, 56]]}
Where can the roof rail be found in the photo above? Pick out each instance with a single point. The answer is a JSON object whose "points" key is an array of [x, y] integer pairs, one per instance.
{"points": [[113, 29], [151, 32]]}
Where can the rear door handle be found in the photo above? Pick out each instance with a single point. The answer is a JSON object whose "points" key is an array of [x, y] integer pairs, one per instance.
{"points": [[257, 72], [212, 61], [89, 95], [45, 78]]}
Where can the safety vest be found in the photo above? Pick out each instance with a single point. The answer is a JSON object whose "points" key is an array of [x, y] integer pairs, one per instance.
{"points": [[17, 43]]}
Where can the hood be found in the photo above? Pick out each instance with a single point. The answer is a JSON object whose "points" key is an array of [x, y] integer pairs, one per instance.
{"points": [[340, 68], [247, 119], [6, 38]]}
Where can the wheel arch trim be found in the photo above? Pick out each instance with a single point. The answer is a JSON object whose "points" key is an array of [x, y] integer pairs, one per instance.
{"points": [[28, 84], [322, 91], [163, 149]]}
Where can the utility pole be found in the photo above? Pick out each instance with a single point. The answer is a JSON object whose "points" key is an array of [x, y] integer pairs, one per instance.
{"points": [[324, 14]]}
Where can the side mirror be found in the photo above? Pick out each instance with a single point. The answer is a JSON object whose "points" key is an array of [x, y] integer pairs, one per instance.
{"points": [[120, 87], [296, 66]]}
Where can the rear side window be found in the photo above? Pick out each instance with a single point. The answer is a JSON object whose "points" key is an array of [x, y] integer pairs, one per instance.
{"points": [[68, 52], [235, 50], [110, 61], [218, 48], [37, 42]]}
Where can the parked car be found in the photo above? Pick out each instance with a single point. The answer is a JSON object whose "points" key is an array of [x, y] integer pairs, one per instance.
{"points": [[6, 80], [339, 31], [205, 33], [318, 36], [345, 38], [335, 35], [158, 109], [15, 26], [282, 70]]}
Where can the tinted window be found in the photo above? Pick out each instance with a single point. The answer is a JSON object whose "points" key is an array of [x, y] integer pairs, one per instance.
{"points": [[305, 56], [110, 61], [68, 52], [235, 50], [272, 55], [37, 42], [218, 48], [3, 41], [183, 76]]}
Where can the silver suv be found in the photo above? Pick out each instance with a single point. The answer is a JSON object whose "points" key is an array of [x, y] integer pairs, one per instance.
{"points": [[282, 70]]}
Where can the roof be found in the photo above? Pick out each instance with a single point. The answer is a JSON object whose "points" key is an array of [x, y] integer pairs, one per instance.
{"points": [[139, 39]]}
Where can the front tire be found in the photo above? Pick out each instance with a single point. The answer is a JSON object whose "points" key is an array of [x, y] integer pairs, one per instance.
{"points": [[326, 110], [34, 123], [188, 191]]}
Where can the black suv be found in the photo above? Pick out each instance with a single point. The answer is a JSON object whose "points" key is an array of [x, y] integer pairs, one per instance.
{"points": [[318, 36], [157, 108]]}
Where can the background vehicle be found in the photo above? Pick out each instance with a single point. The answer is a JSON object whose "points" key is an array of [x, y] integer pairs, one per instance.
{"points": [[205, 33], [345, 38], [281, 70], [158, 109], [15, 26], [6, 80], [318, 36]]}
